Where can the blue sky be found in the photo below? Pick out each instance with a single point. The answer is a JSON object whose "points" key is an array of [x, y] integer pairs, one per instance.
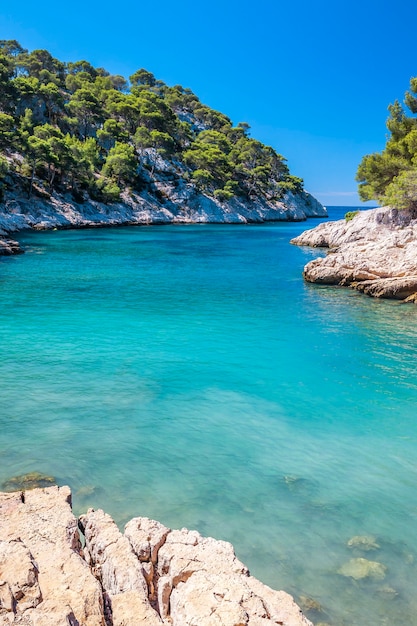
{"points": [[313, 79]]}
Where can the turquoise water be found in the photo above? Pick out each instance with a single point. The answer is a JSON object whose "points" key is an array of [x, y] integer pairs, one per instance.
{"points": [[187, 373]]}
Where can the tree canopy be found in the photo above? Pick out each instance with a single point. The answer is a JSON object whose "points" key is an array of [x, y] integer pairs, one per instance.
{"points": [[80, 129], [390, 176]]}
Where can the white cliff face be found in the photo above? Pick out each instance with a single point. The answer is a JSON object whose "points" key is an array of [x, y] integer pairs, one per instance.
{"points": [[181, 205], [172, 201], [375, 252], [149, 575]]}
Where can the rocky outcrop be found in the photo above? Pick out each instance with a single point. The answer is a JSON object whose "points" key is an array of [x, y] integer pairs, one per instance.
{"points": [[8, 246], [375, 252], [176, 204], [149, 575], [43, 575], [168, 198]]}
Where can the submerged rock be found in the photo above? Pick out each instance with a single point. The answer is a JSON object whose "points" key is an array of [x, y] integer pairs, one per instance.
{"points": [[362, 568], [32, 480], [375, 253], [299, 485], [388, 592], [310, 604], [9, 246], [149, 575], [363, 542]]}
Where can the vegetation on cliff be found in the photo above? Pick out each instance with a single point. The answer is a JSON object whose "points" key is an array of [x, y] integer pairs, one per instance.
{"points": [[75, 128], [390, 176]]}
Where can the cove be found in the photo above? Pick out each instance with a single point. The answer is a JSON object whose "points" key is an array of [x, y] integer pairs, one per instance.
{"points": [[187, 373]]}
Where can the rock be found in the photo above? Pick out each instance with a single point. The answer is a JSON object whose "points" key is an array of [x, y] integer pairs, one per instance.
{"points": [[375, 253], [118, 569], [388, 592], [85, 491], [362, 568], [146, 536], [363, 542], [149, 575], [9, 246], [19, 573], [44, 566], [28, 481], [176, 201], [310, 604], [198, 580]]}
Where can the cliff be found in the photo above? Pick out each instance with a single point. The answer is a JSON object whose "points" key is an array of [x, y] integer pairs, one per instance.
{"points": [[168, 199], [375, 253], [82, 147], [50, 574]]}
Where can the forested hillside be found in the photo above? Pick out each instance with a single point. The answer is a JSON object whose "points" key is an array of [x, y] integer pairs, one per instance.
{"points": [[77, 129], [390, 176]]}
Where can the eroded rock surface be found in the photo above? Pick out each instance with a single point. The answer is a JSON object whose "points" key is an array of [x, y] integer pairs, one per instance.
{"points": [[149, 575], [8, 246], [43, 574], [174, 201], [375, 252]]}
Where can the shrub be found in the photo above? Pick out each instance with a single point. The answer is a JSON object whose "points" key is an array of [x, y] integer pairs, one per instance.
{"points": [[350, 215], [223, 194]]}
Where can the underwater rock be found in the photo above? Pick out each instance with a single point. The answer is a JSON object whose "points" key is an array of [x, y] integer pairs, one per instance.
{"points": [[299, 485], [388, 592], [33, 480], [362, 568], [363, 542], [9, 246], [310, 604]]}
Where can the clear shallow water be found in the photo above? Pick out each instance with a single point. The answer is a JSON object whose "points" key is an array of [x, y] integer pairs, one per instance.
{"points": [[188, 374]]}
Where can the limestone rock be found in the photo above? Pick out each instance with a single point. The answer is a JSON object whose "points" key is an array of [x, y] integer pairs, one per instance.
{"points": [[198, 581], [148, 576], [182, 203], [185, 553], [310, 604], [9, 246], [42, 560], [375, 252], [28, 481], [19, 587], [362, 568], [363, 542], [146, 536], [119, 570]]}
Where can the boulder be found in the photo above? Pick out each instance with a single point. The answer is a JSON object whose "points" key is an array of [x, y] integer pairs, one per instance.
{"points": [[362, 568]]}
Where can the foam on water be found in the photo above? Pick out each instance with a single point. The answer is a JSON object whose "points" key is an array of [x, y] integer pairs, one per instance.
{"points": [[188, 374]]}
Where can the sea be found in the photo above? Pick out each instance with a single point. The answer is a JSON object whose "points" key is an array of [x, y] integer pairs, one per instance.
{"points": [[187, 373]]}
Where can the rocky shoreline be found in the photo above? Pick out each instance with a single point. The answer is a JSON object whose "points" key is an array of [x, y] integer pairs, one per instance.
{"points": [[166, 203], [374, 252], [55, 569]]}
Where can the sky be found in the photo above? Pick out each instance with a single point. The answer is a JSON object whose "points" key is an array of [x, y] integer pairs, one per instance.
{"points": [[313, 79]]}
